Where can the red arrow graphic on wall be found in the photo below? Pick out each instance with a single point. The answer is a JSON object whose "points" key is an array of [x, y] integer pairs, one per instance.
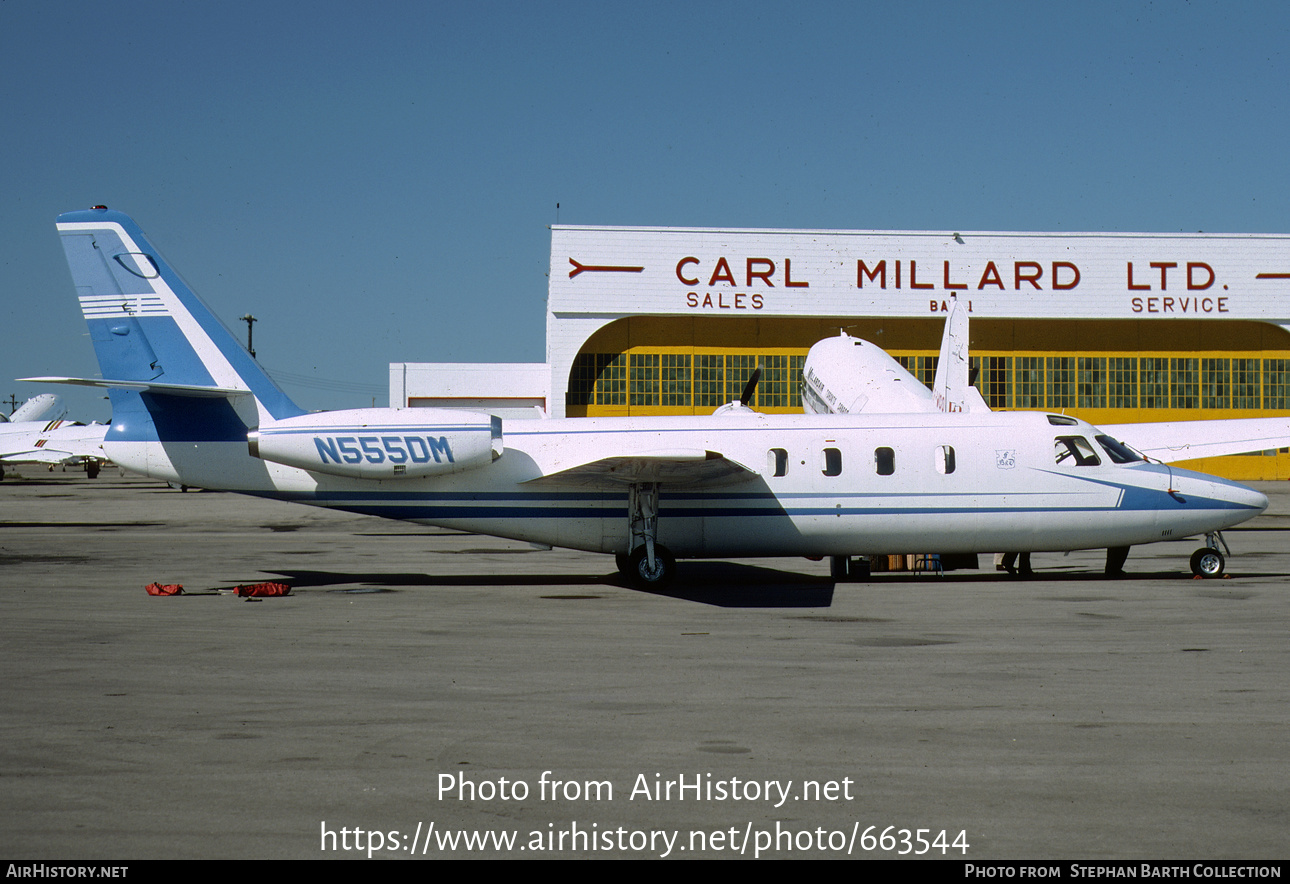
{"points": [[599, 268]]}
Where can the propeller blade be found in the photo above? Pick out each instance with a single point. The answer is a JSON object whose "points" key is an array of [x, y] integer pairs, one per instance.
{"points": [[750, 387]]}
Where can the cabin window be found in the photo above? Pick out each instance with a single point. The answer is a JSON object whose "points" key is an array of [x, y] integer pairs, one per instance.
{"points": [[832, 462], [885, 459], [1075, 450], [778, 458], [944, 459]]}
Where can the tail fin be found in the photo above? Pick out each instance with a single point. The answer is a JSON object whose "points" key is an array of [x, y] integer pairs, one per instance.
{"points": [[952, 388], [177, 376], [150, 330]]}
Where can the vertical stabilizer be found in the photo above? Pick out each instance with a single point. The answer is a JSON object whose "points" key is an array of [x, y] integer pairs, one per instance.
{"points": [[177, 376], [952, 388], [146, 324]]}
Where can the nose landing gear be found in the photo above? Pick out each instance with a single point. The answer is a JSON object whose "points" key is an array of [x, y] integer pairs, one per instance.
{"points": [[1208, 562]]}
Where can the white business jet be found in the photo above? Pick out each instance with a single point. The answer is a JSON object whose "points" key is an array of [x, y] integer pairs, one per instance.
{"points": [[190, 405]]}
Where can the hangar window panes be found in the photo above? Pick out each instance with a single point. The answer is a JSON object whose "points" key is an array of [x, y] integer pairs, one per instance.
{"points": [[925, 369], [1245, 383], [1030, 381], [582, 380], [598, 379], [643, 379], [772, 389], [921, 367], [1184, 383], [1122, 382], [1061, 382], [709, 379], [1092, 382], [1276, 384], [704, 381], [611, 388], [1000, 382], [1154, 391], [1215, 383], [674, 379]]}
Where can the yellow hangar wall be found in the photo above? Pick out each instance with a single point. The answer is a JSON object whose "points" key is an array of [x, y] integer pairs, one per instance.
{"points": [[1104, 371]]}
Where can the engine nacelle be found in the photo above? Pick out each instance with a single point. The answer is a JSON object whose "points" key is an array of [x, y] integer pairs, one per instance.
{"points": [[381, 443]]}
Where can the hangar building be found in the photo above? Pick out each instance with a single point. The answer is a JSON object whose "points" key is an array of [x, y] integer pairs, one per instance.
{"points": [[1111, 327]]}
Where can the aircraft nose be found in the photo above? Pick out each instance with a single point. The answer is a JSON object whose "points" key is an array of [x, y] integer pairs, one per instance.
{"points": [[1241, 495], [1253, 498], [1234, 496]]}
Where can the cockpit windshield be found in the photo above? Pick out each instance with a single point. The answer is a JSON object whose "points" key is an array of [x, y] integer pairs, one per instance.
{"points": [[1118, 451]]}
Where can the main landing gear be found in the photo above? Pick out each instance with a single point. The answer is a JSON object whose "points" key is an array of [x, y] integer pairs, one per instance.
{"points": [[1207, 561], [649, 565]]}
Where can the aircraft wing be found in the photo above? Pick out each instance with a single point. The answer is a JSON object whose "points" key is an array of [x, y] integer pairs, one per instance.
{"points": [[40, 455], [689, 467], [1170, 441]]}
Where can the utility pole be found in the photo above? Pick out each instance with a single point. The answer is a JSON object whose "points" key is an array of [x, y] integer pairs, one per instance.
{"points": [[248, 319], [12, 402]]}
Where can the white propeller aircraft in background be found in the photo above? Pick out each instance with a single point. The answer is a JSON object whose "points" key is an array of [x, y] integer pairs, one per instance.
{"points": [[191, 406], [37, 433], [43, 408], [846, 375]]}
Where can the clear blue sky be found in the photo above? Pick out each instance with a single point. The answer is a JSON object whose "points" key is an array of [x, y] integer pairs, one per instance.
{"points": [[374, 180]]}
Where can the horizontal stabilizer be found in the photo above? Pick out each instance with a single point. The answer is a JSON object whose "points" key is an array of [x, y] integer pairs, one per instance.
{"points": [[689, 467], [201, 392], [1170, 441]]}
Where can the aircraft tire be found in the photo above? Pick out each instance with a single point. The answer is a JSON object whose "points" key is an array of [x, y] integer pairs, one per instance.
{"points": [[1207, 562], [92, 469], [624, 564], [664, 568]]}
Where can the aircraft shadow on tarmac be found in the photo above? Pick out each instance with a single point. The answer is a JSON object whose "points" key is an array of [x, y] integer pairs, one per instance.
{"points": [[722, 584]]}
